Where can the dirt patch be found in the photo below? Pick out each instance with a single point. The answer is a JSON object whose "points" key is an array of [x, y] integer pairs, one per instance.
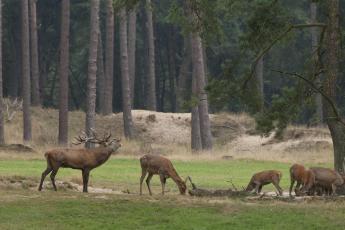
{"points": [[18, 182]]}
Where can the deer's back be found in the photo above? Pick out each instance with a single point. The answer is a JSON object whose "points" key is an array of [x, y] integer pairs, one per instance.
{"points": [[155, 164], [267, 176], [326, 177], [297, 172], [72, 158]]}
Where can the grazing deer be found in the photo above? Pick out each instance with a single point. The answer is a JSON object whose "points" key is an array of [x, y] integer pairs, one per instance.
{"points": [[152, 164], [83, 159], [327, 178], [303, 176], [260, 179]]}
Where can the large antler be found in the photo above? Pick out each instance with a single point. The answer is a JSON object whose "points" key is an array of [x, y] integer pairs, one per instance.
{"points": [[84, 138]]}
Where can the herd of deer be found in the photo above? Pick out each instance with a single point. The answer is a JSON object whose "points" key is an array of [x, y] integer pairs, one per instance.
{"points": [[315, 180]]}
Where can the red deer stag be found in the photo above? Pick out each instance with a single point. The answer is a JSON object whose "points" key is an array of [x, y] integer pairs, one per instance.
{"points": [[327, 178], [260, 179], [83, 159], [162, 166], [303, 176]]}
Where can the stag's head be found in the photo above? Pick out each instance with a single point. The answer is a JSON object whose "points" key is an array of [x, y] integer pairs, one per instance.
{"points": [[94, 138], [114, 144]]}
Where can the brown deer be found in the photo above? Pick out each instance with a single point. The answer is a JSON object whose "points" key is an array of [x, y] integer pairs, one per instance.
{"points": [[327, 178], [153, 164], [83, 159], [260, 179], [303, 176]]}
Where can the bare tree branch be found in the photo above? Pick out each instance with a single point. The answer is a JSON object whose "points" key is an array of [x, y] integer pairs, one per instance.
{"points": [[276, 40], [328, 99]]}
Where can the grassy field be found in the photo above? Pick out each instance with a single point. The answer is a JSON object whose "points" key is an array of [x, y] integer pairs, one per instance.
{"points": [[29, 209], [50, 210], [123, 174]]}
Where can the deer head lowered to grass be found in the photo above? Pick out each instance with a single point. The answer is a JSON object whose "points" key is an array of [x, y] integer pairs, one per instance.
{"points": [[83, 159], [153, 164]]}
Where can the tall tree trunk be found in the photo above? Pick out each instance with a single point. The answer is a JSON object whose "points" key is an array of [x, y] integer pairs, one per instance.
{"points": [[109, 59], [63, 72], [333, 57], [92, 70], [100, 76], [26, 71], [198, 64], [151, 81], [259, 75], [184, 73], [172, 69], [2, 126], [196, 142], [34, 55], [132, 36], [126, 94], [314, 44]]}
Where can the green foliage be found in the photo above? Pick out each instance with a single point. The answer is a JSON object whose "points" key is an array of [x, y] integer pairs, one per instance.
{"points": [[283, 109]]}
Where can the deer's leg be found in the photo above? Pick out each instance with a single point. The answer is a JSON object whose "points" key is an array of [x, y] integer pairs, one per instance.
{"points": [[163, 181], [291, 186], [257, 186], [334, 188], [297, 189], [148, 179], [276, 185], [143, 175], [260, 188], [44, 174], [52, 177], [86, 173]]}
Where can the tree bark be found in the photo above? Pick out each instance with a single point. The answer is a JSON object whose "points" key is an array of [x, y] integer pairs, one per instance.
{"points": [[92, 70], [198, 64], [109, 60], [172, 69], [2, 126], [184, 73], [26, 71], [259, 74], [132, 36], [100, 76], [63, 72], [34, 55], [126, 94], [151, 81], [336, 128], [196, 142], [314, 44]]}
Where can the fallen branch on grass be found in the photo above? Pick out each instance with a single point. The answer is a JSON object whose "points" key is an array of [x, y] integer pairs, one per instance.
{"points": [[214, 193]]}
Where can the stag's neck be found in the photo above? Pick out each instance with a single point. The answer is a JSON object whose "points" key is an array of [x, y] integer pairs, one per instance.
{"points": [[102, 154]]}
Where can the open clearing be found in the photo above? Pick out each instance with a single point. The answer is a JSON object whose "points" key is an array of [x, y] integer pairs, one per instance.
{"points": [[114, 203], [22, 207]]}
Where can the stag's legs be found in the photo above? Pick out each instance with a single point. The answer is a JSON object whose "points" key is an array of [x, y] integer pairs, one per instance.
{"points": [[143, 175], [86, 174], [163, 181], [44, 174], [52, 177], [148, 179]]}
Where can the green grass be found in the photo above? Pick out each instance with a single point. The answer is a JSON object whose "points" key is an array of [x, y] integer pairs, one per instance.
{"points": [[50, 210], [125, 173], [27, 209]]}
